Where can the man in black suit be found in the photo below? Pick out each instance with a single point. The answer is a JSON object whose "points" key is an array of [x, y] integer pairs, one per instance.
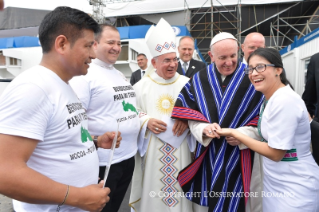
{"points": [[314, 126], [187, 65], [139, 73], [311, 99], [311, 93]]}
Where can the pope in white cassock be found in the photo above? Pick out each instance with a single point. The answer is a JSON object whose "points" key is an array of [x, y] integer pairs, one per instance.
{"points": [[164, 144]]}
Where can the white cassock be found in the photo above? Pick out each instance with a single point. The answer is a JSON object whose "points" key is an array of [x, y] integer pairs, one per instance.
{"points": [[254, 203], [157, 164]]}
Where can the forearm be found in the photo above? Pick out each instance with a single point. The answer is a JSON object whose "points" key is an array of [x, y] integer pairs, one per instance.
{"points": [[249, 131], [259, 147], [24, 184]]}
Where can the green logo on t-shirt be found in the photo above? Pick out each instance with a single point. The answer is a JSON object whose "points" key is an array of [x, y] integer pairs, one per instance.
{"points": [[85, 135], [128, 106]]}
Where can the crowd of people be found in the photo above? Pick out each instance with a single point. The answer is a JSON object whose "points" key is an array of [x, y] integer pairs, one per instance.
{"points": [[230, 136]]}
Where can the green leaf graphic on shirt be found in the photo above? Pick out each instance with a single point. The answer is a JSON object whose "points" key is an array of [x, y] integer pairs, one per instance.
{"points": [[85, 135], [127, 106]]}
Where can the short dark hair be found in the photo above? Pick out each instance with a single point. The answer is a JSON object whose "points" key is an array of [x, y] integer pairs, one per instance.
{"points": [[141, 54], [64, 21], [98, 35], [274, 57]]}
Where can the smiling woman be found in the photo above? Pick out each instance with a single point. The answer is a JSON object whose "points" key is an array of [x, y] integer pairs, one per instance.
{"points": [[284, 130]]}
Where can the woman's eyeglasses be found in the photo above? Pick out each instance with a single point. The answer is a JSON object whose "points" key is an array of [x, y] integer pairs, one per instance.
{"points": [[259, 68]]}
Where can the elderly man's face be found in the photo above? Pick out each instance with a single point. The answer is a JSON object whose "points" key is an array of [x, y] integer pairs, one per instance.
{"points": [[224, 55], [252, 42], [166, 65]]}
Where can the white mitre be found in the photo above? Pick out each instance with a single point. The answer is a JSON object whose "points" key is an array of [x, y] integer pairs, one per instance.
{"points": [[161, 39], [222, 36]]}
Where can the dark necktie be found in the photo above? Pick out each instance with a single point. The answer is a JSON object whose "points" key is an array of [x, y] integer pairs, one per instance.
{"points": [[143, 72]]}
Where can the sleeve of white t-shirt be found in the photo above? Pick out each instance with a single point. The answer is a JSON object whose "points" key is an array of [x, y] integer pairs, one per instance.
{"points": [[82, 89], [282, 120], [25, 111]]}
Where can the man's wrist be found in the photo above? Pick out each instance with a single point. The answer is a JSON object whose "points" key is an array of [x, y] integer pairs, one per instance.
{"points": [[96, 142]]}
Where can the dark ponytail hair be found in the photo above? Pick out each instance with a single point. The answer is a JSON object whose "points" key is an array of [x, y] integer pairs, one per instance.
{"points": [[273, 56]]}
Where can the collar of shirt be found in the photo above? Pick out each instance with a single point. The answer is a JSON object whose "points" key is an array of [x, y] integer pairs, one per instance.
{"points": [[142, 72], [182, 62], [102, 64], [244, 61]]}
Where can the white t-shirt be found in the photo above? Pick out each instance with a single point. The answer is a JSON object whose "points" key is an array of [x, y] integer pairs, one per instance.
{"points": [[108, 99], [39, 105], [285, 125]]}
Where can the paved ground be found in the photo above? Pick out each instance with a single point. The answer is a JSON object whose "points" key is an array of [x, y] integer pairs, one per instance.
{"points": [[6, 203]]}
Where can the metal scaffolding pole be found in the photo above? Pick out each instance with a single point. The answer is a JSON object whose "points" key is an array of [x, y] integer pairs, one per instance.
{"points": [[310, 20], [212, 19], [284, 28]]}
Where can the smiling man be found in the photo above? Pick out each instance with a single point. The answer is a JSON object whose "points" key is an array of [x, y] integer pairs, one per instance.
{"points": [[158, 160], [220, 96], [109, 100], [187, 66], [48, 161]]}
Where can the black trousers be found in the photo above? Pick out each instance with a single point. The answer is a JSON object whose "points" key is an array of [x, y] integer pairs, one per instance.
{"points": [[120, 176]]}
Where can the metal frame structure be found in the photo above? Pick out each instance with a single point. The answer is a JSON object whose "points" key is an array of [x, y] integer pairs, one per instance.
{"points": [[205, 21], [98, 6], [281, 31]]}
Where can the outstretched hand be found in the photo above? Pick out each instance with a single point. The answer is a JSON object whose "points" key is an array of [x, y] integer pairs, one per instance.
{"points": [[225, 132], [210, 130], [105, 140]]}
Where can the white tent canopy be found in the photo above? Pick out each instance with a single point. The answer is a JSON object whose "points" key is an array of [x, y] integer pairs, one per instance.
{"points": [[137, 7], [140, 7]]}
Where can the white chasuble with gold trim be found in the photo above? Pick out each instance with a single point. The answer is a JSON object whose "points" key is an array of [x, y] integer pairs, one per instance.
{"points": [[154, 185]]}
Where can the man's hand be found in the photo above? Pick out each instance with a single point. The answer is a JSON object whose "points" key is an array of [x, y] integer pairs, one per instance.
{"points": [[210, 130], [232, 141], [156, 126], [90, 198], [105, 140], [179, 127]]}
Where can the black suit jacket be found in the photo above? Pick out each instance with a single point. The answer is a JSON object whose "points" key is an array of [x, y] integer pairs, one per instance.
{"points": [[135, 77], [198, 65], [315, 140], [311, 93]]}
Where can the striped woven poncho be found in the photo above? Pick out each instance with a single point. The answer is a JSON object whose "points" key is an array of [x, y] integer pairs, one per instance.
{"points": [[219, 167]]}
